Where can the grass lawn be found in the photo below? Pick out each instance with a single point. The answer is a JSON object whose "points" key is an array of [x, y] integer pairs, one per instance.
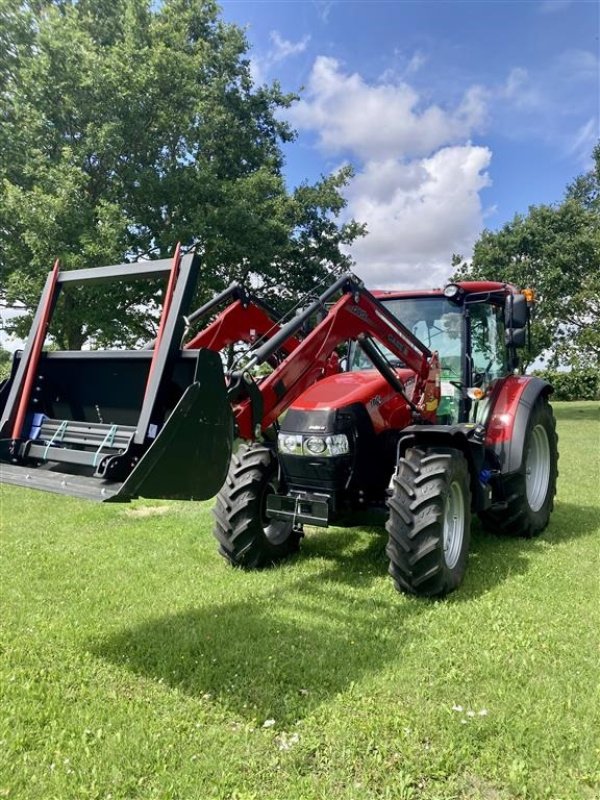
{"points": [[136, 664]]}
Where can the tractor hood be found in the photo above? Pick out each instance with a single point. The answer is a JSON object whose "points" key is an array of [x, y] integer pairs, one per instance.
{"points": [[347, 388], [366, 388]]}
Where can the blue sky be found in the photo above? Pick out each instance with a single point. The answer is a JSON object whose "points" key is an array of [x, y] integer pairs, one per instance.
{"points": [[455, 115]]}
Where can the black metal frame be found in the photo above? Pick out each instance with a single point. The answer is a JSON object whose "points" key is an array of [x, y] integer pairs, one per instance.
{"points": [[350, 284], [235, 291], [19, 378], [172, 333]]}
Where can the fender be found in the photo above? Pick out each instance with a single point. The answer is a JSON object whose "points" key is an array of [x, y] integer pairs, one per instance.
{"points": [[508, 417], [466, 437]]}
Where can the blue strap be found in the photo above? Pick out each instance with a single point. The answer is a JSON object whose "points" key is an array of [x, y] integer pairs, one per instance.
{"points": [[57, 436], [106, 442]]}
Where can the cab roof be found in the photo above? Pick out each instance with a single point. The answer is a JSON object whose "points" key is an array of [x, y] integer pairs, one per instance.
{"points": [[468, 287]]}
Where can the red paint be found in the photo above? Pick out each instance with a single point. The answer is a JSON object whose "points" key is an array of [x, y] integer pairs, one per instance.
{"points": [[504, 410], [239, 323], [388, 410], [34, 357], [347, 319], [485, 286], [165, 309], [469, 287]]}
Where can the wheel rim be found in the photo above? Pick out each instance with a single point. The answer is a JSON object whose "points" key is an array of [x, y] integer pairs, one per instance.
{"points": [[537, 468], [276, 531], [454, 524]]}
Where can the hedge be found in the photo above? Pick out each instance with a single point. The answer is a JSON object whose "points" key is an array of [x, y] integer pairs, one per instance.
{"points": [[578, 384]]}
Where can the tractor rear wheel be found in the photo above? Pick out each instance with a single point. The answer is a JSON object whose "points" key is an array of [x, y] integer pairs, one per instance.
{"points": [[429, 522], [530, 491], [247, 538]]}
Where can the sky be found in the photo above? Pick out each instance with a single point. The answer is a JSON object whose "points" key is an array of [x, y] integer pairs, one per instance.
{"points": [[455, 115]]}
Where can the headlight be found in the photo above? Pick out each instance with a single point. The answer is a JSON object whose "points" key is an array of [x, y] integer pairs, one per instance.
{"points": [[451, 291], [315, 445], [290, 443], [337, 445], [297, 445]]}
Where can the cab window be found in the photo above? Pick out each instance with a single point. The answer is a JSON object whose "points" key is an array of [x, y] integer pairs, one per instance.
{"points": [[488, 351], [435, 321]]}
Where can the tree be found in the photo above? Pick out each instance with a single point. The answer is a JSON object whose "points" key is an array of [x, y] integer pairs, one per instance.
{"points": [[555, 249], [5, 359], [125, 128]]}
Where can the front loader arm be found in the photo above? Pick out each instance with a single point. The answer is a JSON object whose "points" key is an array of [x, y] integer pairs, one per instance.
{"points": [[356, 315], [240, 322]]}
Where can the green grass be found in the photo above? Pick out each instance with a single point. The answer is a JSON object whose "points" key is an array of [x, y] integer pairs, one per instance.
{"points": [[135, 664]]}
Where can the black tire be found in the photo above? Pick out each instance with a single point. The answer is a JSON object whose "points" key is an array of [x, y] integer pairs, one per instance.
{"points": [[527, 512], [246, 537], [428, 485]]}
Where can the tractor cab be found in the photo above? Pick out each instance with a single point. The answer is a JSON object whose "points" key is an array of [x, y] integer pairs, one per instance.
{"points": [[472, 326]]}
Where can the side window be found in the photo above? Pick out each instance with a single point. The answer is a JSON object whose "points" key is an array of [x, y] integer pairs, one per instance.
{"points": [[487, 343]]}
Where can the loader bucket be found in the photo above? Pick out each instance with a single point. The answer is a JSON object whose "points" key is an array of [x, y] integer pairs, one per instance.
{"points": [[190, 456], [187, 460], [114, 425]]}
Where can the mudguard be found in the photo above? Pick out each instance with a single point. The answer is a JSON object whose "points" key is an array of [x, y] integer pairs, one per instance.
{"points": [[507, 419], [465, 437]]}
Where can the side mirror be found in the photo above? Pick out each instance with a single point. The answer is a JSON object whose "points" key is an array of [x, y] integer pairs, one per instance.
{"points": [[516, 316], [515, 337], [516, 312]]}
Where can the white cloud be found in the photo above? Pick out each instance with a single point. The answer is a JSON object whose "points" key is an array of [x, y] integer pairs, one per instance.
{"points": [[578, 65], [323, 9], [405, 66], [417, 61], [418, 176], [584, 141], [518, 89], [9, 343], [283, 48], [552, 103], [280, 50], [418, 214], [381, 121], [257, 72]]}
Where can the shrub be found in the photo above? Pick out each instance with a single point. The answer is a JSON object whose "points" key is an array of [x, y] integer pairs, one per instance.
{"points": [[5, 362], [578, 384]]}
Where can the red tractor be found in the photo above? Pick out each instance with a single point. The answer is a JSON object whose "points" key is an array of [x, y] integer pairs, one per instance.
{"points": [[424, 421]]}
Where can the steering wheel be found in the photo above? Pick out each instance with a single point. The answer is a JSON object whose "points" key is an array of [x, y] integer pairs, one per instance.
{"points": [[479, 377]]}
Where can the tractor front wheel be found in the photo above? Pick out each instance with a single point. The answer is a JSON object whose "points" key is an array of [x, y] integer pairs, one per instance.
{"points": [[530, 491], [429, 522], [247, 538]]}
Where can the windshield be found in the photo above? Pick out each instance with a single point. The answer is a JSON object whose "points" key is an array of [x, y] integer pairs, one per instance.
{"points": [[435, 321]]}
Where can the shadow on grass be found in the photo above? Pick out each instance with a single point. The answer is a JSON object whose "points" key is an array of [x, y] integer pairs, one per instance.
{"points": [[571, 521], [280, 654], [508, 555]]}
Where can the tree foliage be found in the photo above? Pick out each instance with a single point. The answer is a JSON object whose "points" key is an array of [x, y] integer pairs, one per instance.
{"points": [[556, 250], [126, 127], [5, 358], [575, 384]]}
